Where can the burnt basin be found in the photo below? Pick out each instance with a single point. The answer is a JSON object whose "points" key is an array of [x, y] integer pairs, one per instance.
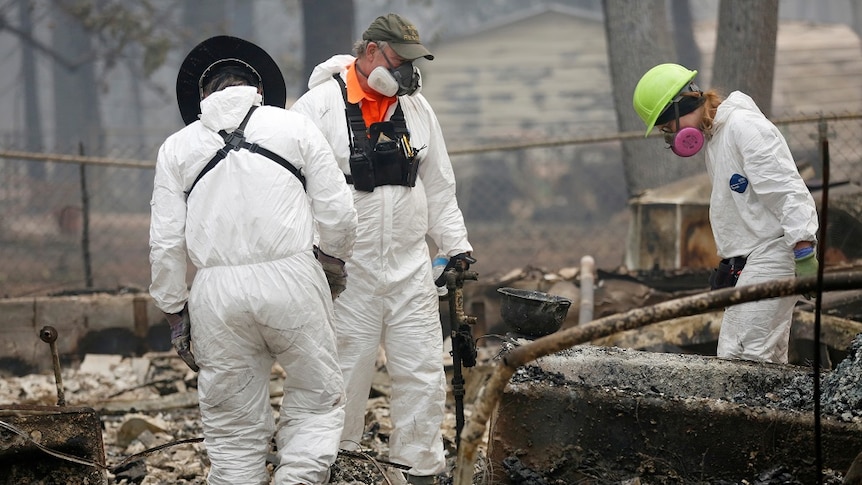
{"points": [[609, 414], [532, 313]]}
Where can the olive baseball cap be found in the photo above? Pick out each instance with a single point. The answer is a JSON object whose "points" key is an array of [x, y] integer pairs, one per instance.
{"points": [[400, 34]]}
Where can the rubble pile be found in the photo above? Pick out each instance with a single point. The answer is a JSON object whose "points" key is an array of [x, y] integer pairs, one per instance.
{"points": [[151, 401], [840, 390]]}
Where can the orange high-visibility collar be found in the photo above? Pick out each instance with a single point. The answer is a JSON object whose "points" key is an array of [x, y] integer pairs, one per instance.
{"points": [[373, 105]]}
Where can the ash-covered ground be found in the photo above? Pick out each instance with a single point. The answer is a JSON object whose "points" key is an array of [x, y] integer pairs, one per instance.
{"points": [[840, 390], [150, 401], [840, 400]]}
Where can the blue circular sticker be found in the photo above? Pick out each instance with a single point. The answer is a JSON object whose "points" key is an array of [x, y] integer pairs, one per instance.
{"points": [[738, 183]]}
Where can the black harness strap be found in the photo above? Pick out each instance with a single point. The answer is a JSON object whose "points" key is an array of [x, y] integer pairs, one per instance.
{"points": [[255, 148], [236, 140], [356, 124], [355, 121]]}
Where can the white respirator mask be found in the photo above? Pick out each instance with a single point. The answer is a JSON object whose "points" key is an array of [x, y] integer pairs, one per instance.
{"points": [[401, 81]]}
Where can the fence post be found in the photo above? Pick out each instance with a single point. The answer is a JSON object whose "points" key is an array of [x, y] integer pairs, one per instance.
{"points": [[85, 227], [823, 140]]}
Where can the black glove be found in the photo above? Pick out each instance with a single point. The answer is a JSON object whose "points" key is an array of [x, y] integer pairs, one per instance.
{"points": [[181, 335], [336, 274], [461, 261]]}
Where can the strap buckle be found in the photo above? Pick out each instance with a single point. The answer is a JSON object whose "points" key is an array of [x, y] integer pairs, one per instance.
{"points": [[234, 139]]}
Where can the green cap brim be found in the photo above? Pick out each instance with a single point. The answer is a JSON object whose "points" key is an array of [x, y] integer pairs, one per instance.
{"points": [[411, 51]]}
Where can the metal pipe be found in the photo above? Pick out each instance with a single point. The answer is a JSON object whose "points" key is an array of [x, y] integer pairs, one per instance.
{"points": [[463, 345], [85, 228], [49, 334]]}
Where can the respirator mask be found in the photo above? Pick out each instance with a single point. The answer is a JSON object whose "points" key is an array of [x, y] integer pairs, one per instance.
{"points": [[687, 141], [400, 81]]}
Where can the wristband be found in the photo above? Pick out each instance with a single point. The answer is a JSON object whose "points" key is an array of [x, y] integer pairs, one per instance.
{"points": [[802, 252]]}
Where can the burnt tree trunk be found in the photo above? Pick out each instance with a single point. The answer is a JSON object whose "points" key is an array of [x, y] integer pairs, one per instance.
{"points": [[327, 30], [638, 38], [750, 28], [687, 50], [76, 96], [32, 115]]}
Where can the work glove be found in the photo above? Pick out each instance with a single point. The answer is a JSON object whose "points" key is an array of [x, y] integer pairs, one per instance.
{"points": [[181, 336], [806, 266], [336, 274], [462, 261]]}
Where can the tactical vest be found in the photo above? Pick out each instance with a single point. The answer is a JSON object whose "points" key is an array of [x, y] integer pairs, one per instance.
{"points": [[380, 154]]}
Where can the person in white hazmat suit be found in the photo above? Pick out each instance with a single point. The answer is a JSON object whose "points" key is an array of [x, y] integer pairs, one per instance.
{"points": [[389, 144], [763, 217], [258, 295]]}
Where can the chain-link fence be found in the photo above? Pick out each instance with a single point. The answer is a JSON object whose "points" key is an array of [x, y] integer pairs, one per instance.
{"points": [[75, 223]]}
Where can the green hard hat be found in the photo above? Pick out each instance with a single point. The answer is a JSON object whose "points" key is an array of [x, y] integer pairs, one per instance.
{"points": [[657, 88]]}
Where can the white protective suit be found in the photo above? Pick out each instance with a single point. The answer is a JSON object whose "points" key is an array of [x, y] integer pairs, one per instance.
{"points": [[259, 295], [759, 209], [391, 298]]}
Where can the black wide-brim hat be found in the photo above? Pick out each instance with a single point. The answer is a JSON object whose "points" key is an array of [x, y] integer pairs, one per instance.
{"points": [[234, 51]]}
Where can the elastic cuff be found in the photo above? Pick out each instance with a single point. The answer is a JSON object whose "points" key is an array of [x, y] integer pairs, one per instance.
{"points": [[803, 252]]}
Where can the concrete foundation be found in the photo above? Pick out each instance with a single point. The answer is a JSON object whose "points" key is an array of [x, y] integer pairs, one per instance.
{"points": [[608, 414], [99, 323]]}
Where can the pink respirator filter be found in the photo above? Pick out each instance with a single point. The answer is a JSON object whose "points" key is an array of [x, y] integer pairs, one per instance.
{"points": [[687, 142]]}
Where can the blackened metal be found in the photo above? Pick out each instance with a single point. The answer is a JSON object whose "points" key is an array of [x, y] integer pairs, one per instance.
{"points": [[49, 334], [464, 350], [532, 313], [85, 228], [51, 444]]}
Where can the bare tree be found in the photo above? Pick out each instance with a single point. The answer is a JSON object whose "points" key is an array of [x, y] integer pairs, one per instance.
{"points": [[202, 23], [688, 53], [32, 115], [638, 38], [750, 28], [856, 8], [88, 39], [327, 30], [76, 101]]}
